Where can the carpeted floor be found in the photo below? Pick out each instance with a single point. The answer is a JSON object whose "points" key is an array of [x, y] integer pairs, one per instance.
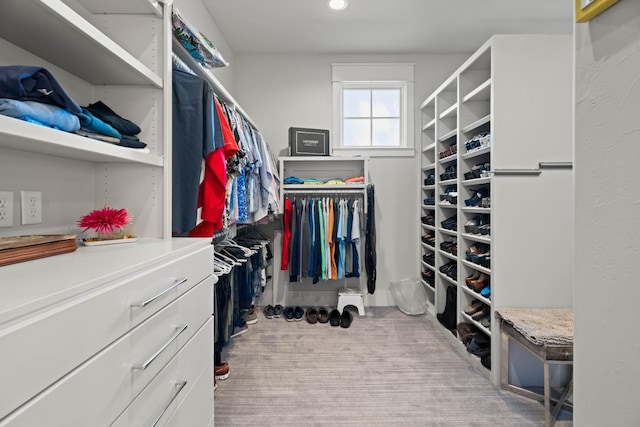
{"points": [[387, 369]]}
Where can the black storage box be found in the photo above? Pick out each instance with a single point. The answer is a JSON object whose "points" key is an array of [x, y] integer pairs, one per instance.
{"points": [[308, 142]]}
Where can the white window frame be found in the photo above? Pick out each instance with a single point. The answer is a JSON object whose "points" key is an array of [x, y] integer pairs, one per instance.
{"points": [[374, 76]]}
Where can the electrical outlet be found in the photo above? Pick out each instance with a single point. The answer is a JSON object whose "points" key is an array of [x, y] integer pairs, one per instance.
{"points": [[31, 207], [6, 208]]}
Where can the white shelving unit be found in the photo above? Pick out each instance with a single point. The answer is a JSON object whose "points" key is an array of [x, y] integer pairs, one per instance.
{"points": [[117, 52], [498, 90]]}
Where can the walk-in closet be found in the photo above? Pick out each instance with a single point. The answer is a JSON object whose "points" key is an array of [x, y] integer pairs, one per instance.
{"points": [[320, 212]]}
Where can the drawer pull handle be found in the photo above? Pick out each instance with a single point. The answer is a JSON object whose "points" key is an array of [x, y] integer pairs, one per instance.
{"points": [[152, 299], [145, 365], [179, 386]]}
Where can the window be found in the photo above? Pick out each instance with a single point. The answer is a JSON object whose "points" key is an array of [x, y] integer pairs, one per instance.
{"points": [[371, 109]]}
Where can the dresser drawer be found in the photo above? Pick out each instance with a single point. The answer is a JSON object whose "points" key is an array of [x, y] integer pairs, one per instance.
{"points": [[168, 390], [48, 345], [197, 407], [100, 389]]}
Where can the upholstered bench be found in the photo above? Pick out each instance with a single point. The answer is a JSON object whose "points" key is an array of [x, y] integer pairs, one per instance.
{"points": [[548, 335]]}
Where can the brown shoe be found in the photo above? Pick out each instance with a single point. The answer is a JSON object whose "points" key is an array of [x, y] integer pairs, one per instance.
{"points": [[221, 372], [312, 315], [323, 315]]}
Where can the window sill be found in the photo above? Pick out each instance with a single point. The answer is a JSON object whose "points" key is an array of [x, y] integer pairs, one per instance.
{"points": [[373, 152]]}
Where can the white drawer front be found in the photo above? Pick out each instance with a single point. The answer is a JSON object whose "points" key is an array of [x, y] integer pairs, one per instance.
{"points": [[160, 399], [40, 350], [102, 388], [197, 407]]}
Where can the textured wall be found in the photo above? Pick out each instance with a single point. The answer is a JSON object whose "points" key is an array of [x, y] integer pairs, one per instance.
{"points": [[607, 149]]}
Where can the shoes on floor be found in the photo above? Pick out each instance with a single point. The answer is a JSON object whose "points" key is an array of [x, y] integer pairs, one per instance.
{"points": [[251, 317], [221, 372], [268, 311], [240, 330], [323, 315], [346, 318], [277, 310], [312, 315], [298, 313], [289, 315], [334, 318]]}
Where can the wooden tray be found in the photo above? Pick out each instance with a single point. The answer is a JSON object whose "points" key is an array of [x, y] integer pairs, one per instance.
{"points": [[26, 248]]}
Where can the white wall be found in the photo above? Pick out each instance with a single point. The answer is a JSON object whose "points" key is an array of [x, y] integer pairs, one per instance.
{"points": [[607, 149], [282, 91]]}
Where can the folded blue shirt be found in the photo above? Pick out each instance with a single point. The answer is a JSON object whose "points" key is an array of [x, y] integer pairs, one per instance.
{"points": [[91, 122], [45, 114]]}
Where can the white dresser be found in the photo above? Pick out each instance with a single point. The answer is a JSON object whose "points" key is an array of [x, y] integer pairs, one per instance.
{"points": [[113, 335]]}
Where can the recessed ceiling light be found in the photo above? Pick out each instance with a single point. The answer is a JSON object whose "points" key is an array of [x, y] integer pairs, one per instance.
{"points": [[338, 4]]}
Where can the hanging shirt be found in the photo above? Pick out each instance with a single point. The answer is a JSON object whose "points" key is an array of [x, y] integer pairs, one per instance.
{"points": [[323, 261], [332, 243], [286, 218], [355, 240], [312, 238]]}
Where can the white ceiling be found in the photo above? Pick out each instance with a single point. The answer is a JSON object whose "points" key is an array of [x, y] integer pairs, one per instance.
{"points": [[382, 26]]}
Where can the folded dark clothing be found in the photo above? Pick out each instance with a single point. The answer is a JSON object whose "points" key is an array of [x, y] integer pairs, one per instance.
{"points": [[31, 83], [90, 122], [107, 115], [131, 142]]}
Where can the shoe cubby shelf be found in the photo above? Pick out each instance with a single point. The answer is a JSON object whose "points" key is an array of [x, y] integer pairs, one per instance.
{"points": [[497, 84], [427, 266], [476, 124], [429, 247], [428, 227], [448, 255], [475, 182], [481, 93], [429, 125], [476, 153], [429, 207], [428, 187], [429, 148], [428, 286], [476, 266], [475, 295], [477, 238], [448, 232], [477, 324]]}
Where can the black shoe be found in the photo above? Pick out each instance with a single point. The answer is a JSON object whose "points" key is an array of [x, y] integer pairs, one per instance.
{"points": [[277, 310], [288, 314], [334, 318], [346, 318], [298, 313]]}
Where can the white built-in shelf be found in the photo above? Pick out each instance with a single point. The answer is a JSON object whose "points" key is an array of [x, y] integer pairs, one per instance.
{"points": [[19, 135], [130, 7], [475, 295], [448, 182], [324, 187], [448, 255], [429, 102], [481, 93], [429, 147], [480, 238], [448, 232], [476, 181], [425, 265], [448, 159], [316, 159], [448, 135], [476, 266], [477, 324], [447, 206], [428, 227], [425, 246], [429, 207], [429, 125], [477, 210], [428, 187], [449, 112], [448, 279], [476, 153], [47, 28], [428, 286], [476, 124], [207, 74], [429, 167]]}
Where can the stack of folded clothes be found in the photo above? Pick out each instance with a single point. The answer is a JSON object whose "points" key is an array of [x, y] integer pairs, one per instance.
{"points": [[33, 94]]}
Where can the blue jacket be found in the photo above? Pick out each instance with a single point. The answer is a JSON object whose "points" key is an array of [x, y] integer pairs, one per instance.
{"points": [[31, 83]]}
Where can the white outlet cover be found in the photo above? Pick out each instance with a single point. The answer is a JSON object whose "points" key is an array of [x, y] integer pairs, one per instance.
{"points": [[31, 207], [6, 209]]}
